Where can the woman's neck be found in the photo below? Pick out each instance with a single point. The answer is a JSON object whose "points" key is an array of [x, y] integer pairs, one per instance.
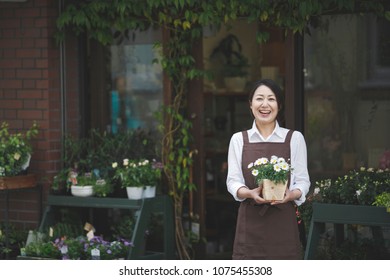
{"points": [[266, 129]]}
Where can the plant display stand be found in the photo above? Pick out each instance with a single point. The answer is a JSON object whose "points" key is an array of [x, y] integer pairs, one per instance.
{"points": [[340, 214], [143, 207], [22, 183]]}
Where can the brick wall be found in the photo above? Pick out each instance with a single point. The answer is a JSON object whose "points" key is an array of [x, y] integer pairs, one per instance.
{"points": [[30, 90]]}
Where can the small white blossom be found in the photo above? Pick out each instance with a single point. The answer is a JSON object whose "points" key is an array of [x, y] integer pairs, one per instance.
{"points": [[114, 165], [250, 165], [255, 172], [126, 162]]}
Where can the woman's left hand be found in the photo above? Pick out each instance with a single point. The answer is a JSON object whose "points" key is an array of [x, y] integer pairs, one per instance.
{"points": [[289, 196]]}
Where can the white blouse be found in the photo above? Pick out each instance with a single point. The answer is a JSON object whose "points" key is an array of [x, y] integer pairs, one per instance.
{"points": [[299, 177]]}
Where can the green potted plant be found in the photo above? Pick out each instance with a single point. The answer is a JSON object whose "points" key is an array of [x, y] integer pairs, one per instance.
{"points": [[15, 155], [132, 175], [82, 184], [233, 64]]}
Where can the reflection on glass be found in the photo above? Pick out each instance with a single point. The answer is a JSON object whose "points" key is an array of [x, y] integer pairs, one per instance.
{"points": [[137, 84], [346, 120]]}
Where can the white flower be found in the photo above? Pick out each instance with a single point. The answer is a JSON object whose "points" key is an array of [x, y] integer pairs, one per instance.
{"points": [[255, 172], [281, 160], [114, 165], [126, 162], [17, 156], [316, 191], [250, 165], [358, 192], [263, 160], [277, 167], [274, 159], [284, 165]]}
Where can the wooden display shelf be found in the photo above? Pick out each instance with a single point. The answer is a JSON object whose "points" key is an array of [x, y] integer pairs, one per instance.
{"points": [[143, 207]]}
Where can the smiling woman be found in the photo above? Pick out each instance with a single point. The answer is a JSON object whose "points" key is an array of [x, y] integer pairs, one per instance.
{"points": [[257, 214]]}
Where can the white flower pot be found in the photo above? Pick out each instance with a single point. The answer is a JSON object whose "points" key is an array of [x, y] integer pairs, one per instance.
{"points": [[82, 191], [149, 191], [134, 192]]}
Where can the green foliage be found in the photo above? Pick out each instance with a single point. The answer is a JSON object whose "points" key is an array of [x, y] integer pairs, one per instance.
{"points": [[43, 250], [96, 153], [357, 187], [125, 227], [103, 187], [16, 239], [383, 200], [15, 149]]}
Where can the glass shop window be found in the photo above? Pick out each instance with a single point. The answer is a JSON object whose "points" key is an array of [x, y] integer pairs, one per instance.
{"points": [[131, 80], [347, 94]]}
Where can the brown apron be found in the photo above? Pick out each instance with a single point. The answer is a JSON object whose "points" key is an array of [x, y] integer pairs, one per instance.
{"points": [[265, 231]]}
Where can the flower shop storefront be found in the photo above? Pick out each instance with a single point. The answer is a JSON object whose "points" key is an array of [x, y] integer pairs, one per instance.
{"points": [[337, 94]]}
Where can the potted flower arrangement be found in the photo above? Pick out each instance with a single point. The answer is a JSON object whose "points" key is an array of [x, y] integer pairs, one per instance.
{"points": [[136, 175], [82, 184], [15, 155], [273, 173]]}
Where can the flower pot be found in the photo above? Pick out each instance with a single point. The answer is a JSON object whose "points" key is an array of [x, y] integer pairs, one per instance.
{"points": [[273, 191], [149, 192], [82, 191], [134, 192], [18, 182]]}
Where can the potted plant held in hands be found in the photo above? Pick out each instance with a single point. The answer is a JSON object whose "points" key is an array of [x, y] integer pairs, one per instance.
{"points": [[273, 173]]}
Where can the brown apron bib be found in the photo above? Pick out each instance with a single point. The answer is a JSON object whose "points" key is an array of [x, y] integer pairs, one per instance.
{"points": [[265, 231]]}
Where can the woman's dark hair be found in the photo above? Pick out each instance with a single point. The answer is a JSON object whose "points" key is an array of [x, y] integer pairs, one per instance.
{"points": [[276, 89]]}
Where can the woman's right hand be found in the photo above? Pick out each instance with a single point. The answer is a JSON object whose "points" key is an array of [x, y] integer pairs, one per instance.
{"points": [[255, 194]]}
